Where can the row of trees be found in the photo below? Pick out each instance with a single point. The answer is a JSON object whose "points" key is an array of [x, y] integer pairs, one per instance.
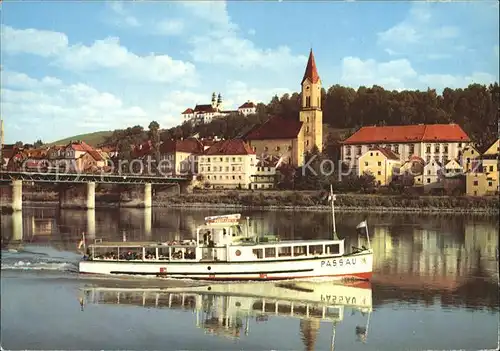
{"points": [[475, 108]]}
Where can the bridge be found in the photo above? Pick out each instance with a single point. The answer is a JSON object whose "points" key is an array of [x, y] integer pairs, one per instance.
{"points": [[77, 190]]}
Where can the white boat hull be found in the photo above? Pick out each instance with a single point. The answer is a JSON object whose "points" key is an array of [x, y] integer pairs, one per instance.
{"points": [[352, 266]]}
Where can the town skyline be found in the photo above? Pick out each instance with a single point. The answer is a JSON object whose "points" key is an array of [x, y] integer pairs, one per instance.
{"points": [[130, 67]]}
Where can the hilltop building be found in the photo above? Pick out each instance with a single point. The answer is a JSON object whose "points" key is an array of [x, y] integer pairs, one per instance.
{"points": [[205, 113], [287, 138]]}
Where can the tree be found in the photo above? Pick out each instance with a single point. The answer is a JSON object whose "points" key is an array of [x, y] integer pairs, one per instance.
{"points": [[37, 144], [19, 144]]}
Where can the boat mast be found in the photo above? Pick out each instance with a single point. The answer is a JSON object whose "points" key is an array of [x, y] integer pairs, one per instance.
{"points": [[332, 345], [332, 200]]}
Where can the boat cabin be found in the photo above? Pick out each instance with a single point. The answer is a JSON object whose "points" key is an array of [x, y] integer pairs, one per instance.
{"points": [[221, 238]]}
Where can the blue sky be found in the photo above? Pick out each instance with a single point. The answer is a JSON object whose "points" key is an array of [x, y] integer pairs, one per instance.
{"points": [[77, 67]]}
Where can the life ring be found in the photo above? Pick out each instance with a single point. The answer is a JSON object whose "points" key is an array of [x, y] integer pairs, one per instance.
{"points": [[238, 253]]}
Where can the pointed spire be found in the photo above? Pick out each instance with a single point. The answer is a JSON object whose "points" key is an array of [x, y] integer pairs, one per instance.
{"points": [[311, 72]]}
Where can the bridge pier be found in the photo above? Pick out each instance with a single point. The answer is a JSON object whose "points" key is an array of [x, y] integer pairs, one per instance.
{"points": [[139, 196], [90, 233], [148, 219], [185, 187], [11, 198], [80, 196], [17, 226]]}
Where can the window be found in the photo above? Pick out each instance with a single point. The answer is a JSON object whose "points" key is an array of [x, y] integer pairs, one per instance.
{"points": [[227, 158], [277, 148], [300, 250], [379, 163], [208, 169], [490, 183], [308, 101], [316, 249], [259, 253], [208, 159], [348, 150], [371, 153], [491, 168], [437, 148], [379, 173], [307, 119], [445, 148], [359, 150], [428, 149], [270, 252], [396, 149], [459, 145], [284, 251], [239, 159], [366, 164], [333, 249], [476, 183], [428, 180], [428, 171], [221, 159], [412, 149], [234, 159]]}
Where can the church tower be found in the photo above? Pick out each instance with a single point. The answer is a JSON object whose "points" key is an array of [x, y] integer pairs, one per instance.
{"points": [[310, 113]]}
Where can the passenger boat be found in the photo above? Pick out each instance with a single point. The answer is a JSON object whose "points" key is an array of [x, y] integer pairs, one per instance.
{"points": [[227, 309], [223, 250]]}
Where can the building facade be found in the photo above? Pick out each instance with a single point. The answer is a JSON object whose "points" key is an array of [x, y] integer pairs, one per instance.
{"points": [[383, 164], [438, 142]]}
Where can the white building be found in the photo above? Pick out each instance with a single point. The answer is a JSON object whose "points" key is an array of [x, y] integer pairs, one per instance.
{"points": [[207, 112], [439, 142]]}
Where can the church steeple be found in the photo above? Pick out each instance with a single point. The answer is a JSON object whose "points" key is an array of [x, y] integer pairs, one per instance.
{"points": [[311, 72], [310, 114]]}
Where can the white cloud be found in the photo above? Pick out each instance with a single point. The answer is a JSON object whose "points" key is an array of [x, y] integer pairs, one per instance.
{"points": [[122, 17], [223, 42], [170, 27], [56, 107], [21, 80], [420, 34], [105, 54], [440, 81], [390, 75], [400, 75], [33, 41], [239, 92]]}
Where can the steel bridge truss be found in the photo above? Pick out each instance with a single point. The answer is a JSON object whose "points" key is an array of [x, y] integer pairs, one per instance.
{"points": [[87, 178]]}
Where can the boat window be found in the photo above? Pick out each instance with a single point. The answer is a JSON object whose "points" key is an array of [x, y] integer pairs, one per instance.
{"points": [[316, 249], [130, 253], [332, 312], [284, 309], [259, 253], [316, 312], [284, 251], [105, 253], [300, 310], [150, 254], [270, 252], [299, 250], [270, 307], [163, 253], [333, 249]]}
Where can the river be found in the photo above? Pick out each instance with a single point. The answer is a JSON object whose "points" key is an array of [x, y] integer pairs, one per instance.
{"points": [[435, 287]]}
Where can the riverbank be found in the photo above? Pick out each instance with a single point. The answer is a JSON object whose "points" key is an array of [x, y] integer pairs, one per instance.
{"points": [[302, 201]]}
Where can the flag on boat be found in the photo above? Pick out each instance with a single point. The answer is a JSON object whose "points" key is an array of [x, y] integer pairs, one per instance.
{"points": [[361, 225]]}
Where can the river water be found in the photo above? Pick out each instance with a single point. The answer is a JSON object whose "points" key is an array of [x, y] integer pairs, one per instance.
{"points": [[435, 287]]}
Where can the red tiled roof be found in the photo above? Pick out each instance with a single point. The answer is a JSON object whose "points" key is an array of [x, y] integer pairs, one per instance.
{"points": [[230, 147], [386, 152], [275, 128], [193, 146], [188, 111], [247, 104], [410, 133], [311, 72], [83, 146], [204, 108]]}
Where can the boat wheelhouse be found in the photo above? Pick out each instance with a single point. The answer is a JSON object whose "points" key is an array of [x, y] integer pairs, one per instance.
{"points": [[223, 249]]}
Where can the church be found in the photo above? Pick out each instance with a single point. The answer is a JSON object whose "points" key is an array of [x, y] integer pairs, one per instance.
{"points": [[289, 139]]}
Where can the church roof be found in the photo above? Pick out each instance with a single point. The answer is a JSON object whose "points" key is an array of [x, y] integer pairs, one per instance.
{"points": [[275, 127], [311, 72]]}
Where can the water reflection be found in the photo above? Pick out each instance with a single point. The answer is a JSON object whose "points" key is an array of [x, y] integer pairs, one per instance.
{"points": [[453, 258], [228, 310]]}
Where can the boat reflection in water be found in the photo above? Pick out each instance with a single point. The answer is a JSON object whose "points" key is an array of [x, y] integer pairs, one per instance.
{"points": [[226, 309]]}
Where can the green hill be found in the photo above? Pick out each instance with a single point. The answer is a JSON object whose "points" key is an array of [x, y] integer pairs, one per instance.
{"points": [[93, 139]]}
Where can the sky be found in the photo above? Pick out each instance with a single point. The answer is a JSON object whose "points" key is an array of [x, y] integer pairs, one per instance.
{"points": [[69, 68]]}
